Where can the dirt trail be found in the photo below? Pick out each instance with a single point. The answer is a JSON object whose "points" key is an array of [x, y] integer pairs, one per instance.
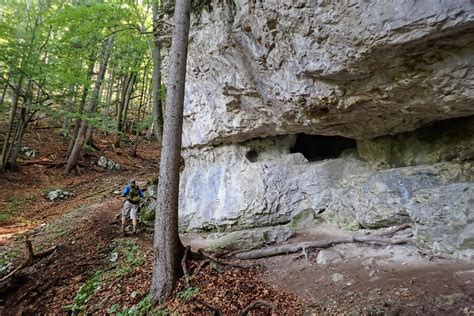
{"points": [[82, 250]]}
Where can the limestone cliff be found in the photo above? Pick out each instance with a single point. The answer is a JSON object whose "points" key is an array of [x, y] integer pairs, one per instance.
{"points": [[331, 107]]}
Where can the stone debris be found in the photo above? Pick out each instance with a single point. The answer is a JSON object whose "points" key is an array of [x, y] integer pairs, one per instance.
{"points": [[337, 277], [328, 257], [59, 195], [108, 164], [28, 152]]}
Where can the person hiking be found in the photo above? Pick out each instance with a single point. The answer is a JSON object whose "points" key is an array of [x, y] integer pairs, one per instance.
{"points": [[130, 207]]}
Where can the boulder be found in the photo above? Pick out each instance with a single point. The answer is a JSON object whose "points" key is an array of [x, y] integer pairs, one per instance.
{"points": [[326, 257], [59, 195], [108, 164], [443, 218]]}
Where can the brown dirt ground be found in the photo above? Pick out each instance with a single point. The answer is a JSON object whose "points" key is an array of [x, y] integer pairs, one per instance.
{"points": [[84, 230]]}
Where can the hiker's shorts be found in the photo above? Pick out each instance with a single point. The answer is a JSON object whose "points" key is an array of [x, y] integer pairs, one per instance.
{"points": [[129, 209]]}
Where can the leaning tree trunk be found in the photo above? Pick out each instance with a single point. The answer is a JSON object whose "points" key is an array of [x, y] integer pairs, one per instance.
{"points": [[128, 99], [120, 106], [23, 121], [82, 105], [76, 150], [11, 122], [157, 112], [168, 246]]}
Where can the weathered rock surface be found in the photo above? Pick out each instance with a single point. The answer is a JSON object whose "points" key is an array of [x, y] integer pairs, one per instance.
{"points": [[365, 70], [221, 187], [444, 218], [247, 238], [328, 257], [354, 68]]}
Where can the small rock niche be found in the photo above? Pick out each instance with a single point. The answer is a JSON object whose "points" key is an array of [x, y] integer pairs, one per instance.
{"points": [[319, 147]]}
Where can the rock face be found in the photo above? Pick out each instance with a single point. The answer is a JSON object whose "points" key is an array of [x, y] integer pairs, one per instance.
{"points": [[361, 69], [268, 80], [444, 218]]}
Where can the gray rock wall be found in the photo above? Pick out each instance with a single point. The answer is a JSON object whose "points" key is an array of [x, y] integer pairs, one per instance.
{"points": [[356, 68], [262, 71]]}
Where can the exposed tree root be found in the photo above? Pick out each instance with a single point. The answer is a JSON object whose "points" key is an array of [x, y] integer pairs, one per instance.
{"points": [[285, 249], [201, 265], [256, 304], [216, 260], [214, 310], [185, 268]]}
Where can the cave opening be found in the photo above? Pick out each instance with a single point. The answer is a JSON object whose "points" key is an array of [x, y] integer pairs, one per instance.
{"points": [[318, 147]]}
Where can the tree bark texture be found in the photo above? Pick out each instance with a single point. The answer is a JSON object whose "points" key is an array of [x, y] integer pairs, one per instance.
{"points": [[168, 247], [157, 111], [11, 122], [76, 150], [82, 105]]}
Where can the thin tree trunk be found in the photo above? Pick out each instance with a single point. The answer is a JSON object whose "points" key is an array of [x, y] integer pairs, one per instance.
{"points": [[108, 97], [127, 100], [157, 112], [76, 150], [142, 102], [82, 105], [167, 245], [11, 121], [4, 93]]}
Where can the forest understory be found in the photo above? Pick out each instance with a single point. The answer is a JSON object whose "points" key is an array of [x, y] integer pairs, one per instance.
{"points": [[94, 269]]}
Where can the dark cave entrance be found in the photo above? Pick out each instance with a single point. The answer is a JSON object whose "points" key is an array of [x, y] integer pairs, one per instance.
{"points": [[318, 147]]}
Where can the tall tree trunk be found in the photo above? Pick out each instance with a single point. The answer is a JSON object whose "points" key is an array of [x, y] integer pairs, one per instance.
{"points": [[11, 122], [108, 97], [157, 112], [168, 246], [124, 99], [142, 102], [127, 100], [82, 106], [76, 150]]}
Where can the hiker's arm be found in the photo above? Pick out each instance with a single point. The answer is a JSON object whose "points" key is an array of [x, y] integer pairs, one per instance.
{"points": [[126, 191]]}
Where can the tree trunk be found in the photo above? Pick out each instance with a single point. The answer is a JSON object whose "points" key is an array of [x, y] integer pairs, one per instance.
{"points": [[127, 99], [168, 246], [123, 107], [76, 150], [82, 105], [11, 122], [157, 112], [142, 102], [4, 93], [108, 97], [21, 126]]}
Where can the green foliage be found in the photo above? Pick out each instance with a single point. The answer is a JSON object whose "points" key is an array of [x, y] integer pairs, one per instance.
{"points": [[129, 256], [144, 307], [84, 292], [188, 293]]}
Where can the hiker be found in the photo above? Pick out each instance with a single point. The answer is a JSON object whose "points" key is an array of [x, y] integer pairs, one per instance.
{"points": [[130, 208]]}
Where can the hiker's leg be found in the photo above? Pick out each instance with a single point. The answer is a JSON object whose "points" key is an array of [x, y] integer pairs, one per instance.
{"points": [[125, 211], [133, 216]]}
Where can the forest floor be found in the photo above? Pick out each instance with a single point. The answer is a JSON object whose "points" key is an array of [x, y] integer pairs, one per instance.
{"points": [[96, 270]]}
